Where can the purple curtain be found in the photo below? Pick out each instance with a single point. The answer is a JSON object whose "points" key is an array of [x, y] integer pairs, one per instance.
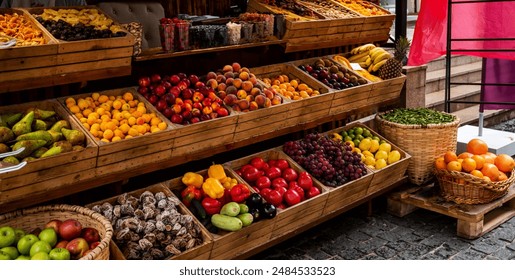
{"points": [[498, 71]]}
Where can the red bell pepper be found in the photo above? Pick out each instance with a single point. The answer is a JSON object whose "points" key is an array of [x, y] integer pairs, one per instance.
{"points": [[226, 198], [190, 193], [211, 205], [239, 193]]}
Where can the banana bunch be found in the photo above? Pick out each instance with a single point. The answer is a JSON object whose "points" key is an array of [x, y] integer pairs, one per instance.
{"points": [[342, 60], [378, 57], [361, 55], [365, 74]]}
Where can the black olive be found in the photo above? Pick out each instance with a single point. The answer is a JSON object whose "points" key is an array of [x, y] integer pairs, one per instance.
{"points": [[268, 211], [254, 201]]}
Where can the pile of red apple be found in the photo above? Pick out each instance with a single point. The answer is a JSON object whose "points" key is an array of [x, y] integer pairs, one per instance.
{"points": [[181, 98], [278, 182], [59, 240]]}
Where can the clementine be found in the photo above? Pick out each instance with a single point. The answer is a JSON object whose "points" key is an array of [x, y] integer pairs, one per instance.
{"points": [[440, 163], [489, 158], [450, 156], [477, 173], [465, 155], [477, 146], [491, 171], [454, 166], [502, 176], [504, 162], [468, 165], [480, 160]]}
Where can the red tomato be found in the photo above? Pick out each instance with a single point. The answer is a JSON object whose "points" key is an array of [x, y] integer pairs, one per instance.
{"points": [[290, 174], [291, 197], [282, 164]]}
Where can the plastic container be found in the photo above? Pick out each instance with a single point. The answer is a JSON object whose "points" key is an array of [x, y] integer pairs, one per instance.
{"points": [[167, 34], [182, 32]]}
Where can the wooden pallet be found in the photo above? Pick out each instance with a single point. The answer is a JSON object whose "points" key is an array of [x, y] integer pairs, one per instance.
{"points": [[473, 220]]}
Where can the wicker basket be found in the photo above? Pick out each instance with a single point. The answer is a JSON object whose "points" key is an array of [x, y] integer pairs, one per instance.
{"points": [[423, 143], [29, 219], [463, 188]]}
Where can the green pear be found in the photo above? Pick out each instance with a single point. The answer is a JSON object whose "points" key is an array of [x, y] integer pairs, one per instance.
{"points": [[27, 159], [39, 125], [30, 146], [10, 119], [39, 152], [56, 136], [58, 125], [65, 145], [24, 125], [11, 159], [41, 114], [76, 137], [4, 148], [36, 135], [6, 134]]}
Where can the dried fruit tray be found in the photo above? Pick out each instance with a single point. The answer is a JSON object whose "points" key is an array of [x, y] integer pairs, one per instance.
{"points": [[386, 176], [136, 151], [296, 216], [228, 245], [199, 251], [51, 174]]}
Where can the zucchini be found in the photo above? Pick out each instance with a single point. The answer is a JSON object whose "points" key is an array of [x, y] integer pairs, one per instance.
{"points": [[199, 209], [227, 223]]}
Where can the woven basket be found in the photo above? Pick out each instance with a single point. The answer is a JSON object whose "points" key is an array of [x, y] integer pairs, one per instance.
{"points": [[464, 188], [29, 219], [423, 143]]}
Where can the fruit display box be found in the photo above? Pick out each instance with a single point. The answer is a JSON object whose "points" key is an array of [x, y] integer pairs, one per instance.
{"points": [[229, 245], [91, 54], [304, 110], [200, 252], [53, 173], [348, 99], [26, 62], [380, 92], [386, 176], [136, 151], [296, 216]]}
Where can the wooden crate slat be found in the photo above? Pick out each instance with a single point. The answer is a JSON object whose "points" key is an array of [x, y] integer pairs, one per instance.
{"points": [[208, 144], [27, 74], [69, 58], [131, 163], [342, 196], [84, 66], [9, 65]]}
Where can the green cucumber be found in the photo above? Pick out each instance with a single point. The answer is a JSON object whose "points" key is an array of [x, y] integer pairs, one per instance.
{"points": [[230, 209], [227, 223], [246, 219]]}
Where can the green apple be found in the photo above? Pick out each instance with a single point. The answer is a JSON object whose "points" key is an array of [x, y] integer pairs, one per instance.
{"points": [[11, 251], [4, 256], [49, 235], [23, 258], [19, 234], [26, 242], [7, 236], [40, 246], [40, 256], [59, 254]]}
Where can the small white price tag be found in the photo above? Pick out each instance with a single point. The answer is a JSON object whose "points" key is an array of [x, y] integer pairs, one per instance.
{"points": [[356, 66]]}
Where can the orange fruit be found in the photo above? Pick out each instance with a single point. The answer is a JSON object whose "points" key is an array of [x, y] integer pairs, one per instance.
{"points": [[489, 157], [504, 162], [454, 166], [468, 165], [477, 173], [450, 156], [465, 155], [491, 171], [480, 160], [477, 146], [502, 176], [440, 163]]}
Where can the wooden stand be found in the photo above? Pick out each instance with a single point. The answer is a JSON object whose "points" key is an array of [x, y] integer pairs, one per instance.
{"points": [[473, 220]]}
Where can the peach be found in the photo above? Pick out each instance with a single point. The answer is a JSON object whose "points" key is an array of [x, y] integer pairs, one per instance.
{"points": [[260, 100], [230, 99], [269, 93], [229, 81], [237, 83], [236, 108], [212, 83], [222, 94], [268, 102], [211, 75], [253, 106], [250, 98], [221, 87], [229, 75], [231, 90], [244, 69], [227, 68], [253, 80], [276, 100], [255, 91], [247, 86], [244, 76], [220, 79], [243, 104], [236, 67], [241, 94]]}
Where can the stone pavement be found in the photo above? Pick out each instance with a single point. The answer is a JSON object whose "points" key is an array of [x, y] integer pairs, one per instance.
{"points": [[421, 235]]}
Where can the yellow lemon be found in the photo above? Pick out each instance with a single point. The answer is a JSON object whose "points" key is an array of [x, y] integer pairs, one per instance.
{"points": [[381, 155], [357, 150], [374, 146], [365, 144], [385, 147], [394, 156], [367, 153], [380, 163], [369, 160]]}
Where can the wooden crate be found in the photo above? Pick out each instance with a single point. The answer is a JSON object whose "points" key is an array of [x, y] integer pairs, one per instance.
{"points": [[473, 221], [316, 34], [93, 54], [304, 110], [52, 173], [204, 136], [229, 245], [136, 151], [384, 177], [296, 216], [200, 252], [27, 62]]}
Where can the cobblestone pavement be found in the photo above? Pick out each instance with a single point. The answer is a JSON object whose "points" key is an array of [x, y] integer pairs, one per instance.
{"points": [[421, 235]]}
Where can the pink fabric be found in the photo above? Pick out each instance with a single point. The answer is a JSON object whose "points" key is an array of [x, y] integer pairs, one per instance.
{"points": [[501, 71], [469, 20]]}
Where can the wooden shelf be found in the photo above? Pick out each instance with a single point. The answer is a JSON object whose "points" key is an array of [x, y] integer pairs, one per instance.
{"points": [[158, 53]]}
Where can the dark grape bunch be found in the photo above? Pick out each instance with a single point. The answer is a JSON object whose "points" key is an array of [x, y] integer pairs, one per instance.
{"points": [[64, 31], [330, 162]]}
